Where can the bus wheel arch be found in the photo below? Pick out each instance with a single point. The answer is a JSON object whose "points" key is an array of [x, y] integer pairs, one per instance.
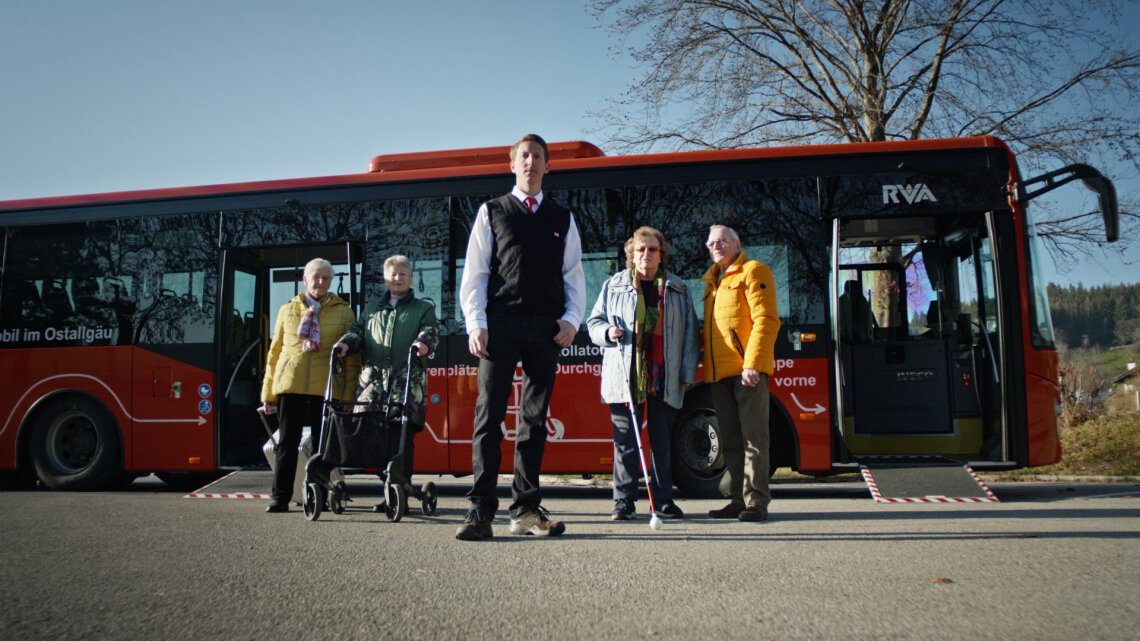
{"points": [[698, 461], [74, 443]]}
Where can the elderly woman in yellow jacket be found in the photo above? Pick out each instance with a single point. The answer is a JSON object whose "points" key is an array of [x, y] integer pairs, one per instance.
{"points": [[297, 370]]}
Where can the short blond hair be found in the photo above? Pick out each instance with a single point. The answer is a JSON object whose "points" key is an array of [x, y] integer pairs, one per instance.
{"points": [[399, 260], [642, 232]]}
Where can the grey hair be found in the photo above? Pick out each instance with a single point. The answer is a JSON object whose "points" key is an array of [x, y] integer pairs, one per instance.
{"points": [[399, 260], [317, 263], [729, 230]]}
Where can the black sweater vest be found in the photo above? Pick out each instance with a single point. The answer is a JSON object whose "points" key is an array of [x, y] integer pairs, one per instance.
{"points": [[526, 258]]}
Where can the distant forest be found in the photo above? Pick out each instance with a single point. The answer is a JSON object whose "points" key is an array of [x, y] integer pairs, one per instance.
{"points": [[1100, 317]]}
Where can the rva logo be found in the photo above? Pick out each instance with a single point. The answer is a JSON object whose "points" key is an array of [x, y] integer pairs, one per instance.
{"points": [[911, 194]]}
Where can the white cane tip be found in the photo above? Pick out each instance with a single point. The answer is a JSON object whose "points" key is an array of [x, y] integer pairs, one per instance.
{"points": [[655, 522]]}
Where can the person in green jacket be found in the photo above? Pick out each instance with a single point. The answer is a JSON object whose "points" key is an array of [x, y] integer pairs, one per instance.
{"points": [[297, 369], [384, 335]]}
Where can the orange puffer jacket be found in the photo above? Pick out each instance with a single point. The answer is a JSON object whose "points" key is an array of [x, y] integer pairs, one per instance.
{"points": [[741, 320]]}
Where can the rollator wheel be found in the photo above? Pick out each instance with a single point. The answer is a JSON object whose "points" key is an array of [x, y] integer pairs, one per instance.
{"points": [[336, 502], [429, 498], [397, 500], [313, 501]]}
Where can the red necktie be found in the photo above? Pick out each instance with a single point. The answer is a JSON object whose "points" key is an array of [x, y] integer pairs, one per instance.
{"points": [[530, 203]]}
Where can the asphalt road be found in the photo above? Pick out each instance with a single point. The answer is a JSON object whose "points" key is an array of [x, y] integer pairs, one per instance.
{"points": [[1051, 561]]}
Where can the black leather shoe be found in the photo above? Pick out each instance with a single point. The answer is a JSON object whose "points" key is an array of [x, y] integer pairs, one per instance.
{"points": [[278, 506], [730, 511]]}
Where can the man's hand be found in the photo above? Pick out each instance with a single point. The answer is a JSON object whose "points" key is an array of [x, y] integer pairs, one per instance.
{"points": [[750, 377], [566, 333], [477, 343]]}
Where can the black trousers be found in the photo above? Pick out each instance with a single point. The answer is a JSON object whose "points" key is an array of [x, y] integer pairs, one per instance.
{"points": [[294, 412], [529, 339]]}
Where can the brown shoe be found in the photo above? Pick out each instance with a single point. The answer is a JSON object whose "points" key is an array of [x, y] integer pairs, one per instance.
{"points": [[753, 513], [730, 511]]}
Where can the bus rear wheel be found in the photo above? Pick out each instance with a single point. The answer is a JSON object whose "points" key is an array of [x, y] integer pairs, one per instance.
{"points": [[75, 445], [698, 462]]}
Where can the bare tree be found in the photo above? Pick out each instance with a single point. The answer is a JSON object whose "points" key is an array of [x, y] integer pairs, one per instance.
{"points": [[1055, 79]]}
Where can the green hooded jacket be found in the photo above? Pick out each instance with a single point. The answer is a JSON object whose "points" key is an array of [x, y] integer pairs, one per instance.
{"points": [[383, 335]]}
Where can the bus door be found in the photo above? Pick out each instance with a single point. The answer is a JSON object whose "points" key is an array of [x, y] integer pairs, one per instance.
{"points": [[242, 337], [917, 337], [255, 284]]}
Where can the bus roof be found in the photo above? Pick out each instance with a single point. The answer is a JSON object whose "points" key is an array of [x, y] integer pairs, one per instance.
{"points": [[495, 160]]}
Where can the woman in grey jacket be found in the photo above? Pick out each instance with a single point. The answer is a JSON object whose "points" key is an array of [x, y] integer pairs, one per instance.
{"points": [[645, 322]]}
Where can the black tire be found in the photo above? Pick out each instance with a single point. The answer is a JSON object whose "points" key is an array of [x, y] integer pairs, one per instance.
{"points": [[397, 500], [314, 500], [430, 498], [698, 462], [75, 445], [188, 481], [336, 501]]}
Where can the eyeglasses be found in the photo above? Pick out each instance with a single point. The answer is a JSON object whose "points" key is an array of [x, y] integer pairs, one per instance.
{"points": [[651, 250], [719, 242]]}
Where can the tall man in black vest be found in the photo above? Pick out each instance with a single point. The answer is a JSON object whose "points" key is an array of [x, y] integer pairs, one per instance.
{"points": [[523, 294]]}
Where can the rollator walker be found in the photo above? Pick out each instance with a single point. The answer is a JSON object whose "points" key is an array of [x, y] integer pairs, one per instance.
{"points": [[357, 436]]}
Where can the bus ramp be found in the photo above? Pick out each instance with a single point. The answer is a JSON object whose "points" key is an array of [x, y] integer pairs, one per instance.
{"points": [[923, 480]]}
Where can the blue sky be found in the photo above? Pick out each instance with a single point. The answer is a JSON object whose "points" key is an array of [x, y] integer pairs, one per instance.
{"points": [[116, 95]]}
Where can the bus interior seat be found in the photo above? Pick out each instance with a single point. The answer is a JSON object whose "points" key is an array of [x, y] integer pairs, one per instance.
{"points": [[21, 303], [115, 291], [855, 312], [941, 319], [90, 302], [55, 298], [251, 328]]}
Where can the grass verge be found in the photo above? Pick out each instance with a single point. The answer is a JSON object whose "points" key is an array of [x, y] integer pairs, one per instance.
{"points": [[1105, 446]]}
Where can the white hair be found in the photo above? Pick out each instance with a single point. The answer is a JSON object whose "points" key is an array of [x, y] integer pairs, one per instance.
{"points": [[728, 230], [317, 263]]}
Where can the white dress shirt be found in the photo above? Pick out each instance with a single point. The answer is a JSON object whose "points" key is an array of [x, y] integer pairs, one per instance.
{"points": [[477, 270]]}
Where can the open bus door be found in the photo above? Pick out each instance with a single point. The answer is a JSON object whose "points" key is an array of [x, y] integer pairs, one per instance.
{"points": [[918, 338], [255, 284]]}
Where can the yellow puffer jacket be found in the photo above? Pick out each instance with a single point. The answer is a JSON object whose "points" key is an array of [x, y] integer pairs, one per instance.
{"points": [[741, 320], [288, 370]]}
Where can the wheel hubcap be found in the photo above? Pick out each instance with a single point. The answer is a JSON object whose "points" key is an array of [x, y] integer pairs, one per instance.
{"points": [[698, 446], [72, 441]]}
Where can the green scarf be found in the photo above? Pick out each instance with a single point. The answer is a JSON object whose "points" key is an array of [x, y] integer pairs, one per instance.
{"points": [[648, 340]]}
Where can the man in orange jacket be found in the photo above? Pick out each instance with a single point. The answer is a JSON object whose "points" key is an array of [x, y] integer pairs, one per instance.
{"points": [[739, 339]]}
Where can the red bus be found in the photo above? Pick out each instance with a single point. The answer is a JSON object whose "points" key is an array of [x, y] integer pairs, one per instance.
{"points": [[134, 326]]}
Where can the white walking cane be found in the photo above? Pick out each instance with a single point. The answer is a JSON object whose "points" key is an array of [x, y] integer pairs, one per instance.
{"points": [[654, 520]]}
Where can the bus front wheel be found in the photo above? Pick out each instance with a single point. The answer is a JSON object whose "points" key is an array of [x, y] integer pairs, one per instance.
{"points": [[75, 445], [698, 460]]}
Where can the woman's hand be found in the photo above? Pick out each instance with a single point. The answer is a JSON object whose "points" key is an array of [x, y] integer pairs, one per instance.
{"points": [[614, 333]]}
